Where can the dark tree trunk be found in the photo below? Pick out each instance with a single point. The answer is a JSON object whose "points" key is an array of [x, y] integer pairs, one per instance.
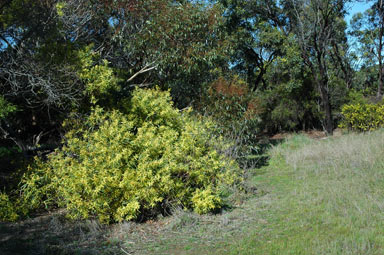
{"points": [[328, 121], [380, 86], [323, 87], [321, 79], [379, 49], [345, 67], [317, 28], [259, 79]]}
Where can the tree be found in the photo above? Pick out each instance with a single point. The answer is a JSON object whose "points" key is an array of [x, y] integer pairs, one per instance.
{"points": [[183, 39], [316, 25], [291, 100], [40, 63], [368, 28], [58, 57], [258, 29]]}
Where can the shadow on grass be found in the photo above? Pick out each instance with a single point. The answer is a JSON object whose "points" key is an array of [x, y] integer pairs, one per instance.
{"points": [[53, 234], [259, 157]]}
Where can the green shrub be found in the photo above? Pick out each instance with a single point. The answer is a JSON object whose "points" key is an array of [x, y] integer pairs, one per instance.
{"points": [[6, 108], [117, 166], [362, 117], [8, 211], [236, 112], [357, 96]]}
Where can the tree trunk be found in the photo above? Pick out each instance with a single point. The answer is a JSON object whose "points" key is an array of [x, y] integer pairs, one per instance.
{"points": [[345, 67], [259, 79], [379, 49], [322, 81], [327, 110], [380, 86]]}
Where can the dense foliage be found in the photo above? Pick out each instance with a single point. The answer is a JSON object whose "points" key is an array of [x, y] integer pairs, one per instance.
{"points": [[119, 166], [363, 117], [8, 212], [236, 112]]}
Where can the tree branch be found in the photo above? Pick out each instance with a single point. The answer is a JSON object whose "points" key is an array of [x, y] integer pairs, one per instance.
{"points": [[145, 69]]}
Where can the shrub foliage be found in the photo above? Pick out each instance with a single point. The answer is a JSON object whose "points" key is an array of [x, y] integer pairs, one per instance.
{"points": [[8, 212], [118, 166], [362, 117], [236, 112]]}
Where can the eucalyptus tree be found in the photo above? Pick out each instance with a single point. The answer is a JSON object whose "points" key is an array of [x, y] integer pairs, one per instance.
{"points": [[368, 28], [316, 24], [258, 30], [183, 40]]}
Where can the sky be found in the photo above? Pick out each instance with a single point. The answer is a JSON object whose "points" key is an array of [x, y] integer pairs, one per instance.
{"points": [[355, 8]]}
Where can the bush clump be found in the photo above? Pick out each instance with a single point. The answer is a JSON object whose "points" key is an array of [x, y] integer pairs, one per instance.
{"points": [[362, 117], [8, 211], [118, 166], [236, 111]]}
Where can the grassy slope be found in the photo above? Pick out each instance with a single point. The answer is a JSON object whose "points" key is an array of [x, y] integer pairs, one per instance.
{"points": [[322, 197], [326, 198]]}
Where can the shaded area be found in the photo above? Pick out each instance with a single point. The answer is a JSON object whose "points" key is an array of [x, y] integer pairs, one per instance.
{"points": [[11, 159], [258, 156], [53, 234]]}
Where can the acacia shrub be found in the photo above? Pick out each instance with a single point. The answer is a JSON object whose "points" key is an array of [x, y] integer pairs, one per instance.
{"points": [[362, 116], [8, 212], [118, 166]]}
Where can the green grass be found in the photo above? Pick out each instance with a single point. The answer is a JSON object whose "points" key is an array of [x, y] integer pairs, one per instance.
{"points": [[326, 197]]}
